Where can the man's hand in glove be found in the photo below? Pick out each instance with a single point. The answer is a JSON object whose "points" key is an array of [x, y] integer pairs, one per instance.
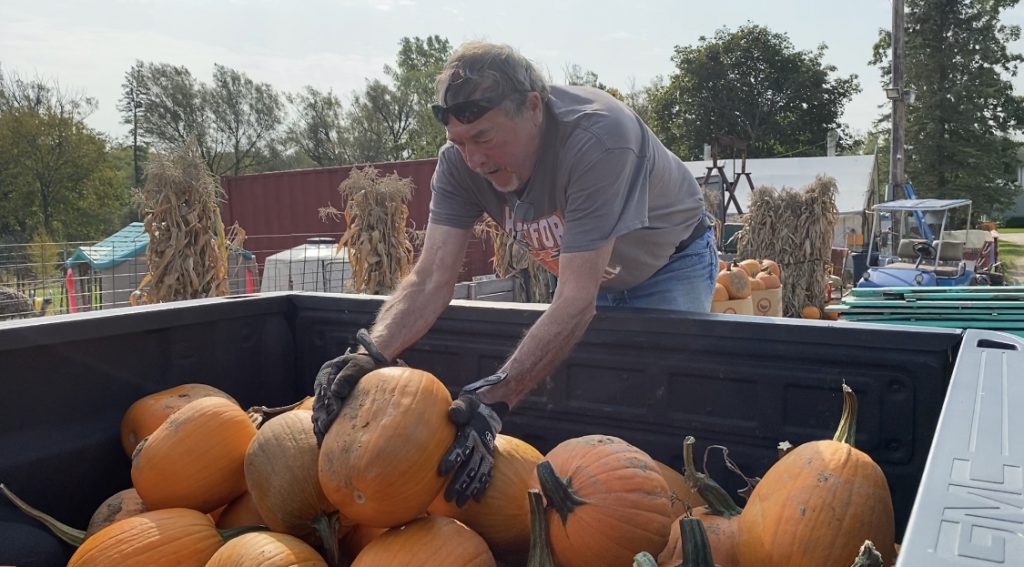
{"points": [[471, 456], [336, 380]]}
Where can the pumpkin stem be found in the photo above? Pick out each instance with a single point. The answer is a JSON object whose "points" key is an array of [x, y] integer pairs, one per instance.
{"points": [[259, 415], [557, 492], [696, 547], [717, 499], [868, 556], [229, 534], [732, 466], [66, 533], [540, 550], [644, 559], [326, 526], [847, 430]]}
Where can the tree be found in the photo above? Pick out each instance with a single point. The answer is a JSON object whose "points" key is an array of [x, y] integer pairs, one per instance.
{"points": [[960, 129], [56, 177], [641, 99], [754, 85], [389, 122], [576, 75], [232, 121], [246, 115], [317, 129]]}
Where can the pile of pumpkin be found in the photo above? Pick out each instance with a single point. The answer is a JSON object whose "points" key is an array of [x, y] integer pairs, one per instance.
{"points": [[215, 485], [737, 280]]}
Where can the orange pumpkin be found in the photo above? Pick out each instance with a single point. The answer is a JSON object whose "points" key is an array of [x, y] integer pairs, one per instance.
{"points": [[830, 492], [146, 414], [175, 537], [810, 312], [736, 282], [282, 475], [769, 280], [358, 537], [721, 294], [240, 512], [720, 517], [772, 267], [431, 541], [607, 501], [756, 285], [751, 266], [121, 505], [502, 516], [378, 462], [266, 549], [195, 458], [681, 495]]}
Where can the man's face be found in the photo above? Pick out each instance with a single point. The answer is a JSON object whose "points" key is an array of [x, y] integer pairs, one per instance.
{"points": [[501, 148]]}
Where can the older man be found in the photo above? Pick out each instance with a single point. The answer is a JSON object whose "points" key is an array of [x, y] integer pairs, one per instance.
{"points": [[577, 178]]}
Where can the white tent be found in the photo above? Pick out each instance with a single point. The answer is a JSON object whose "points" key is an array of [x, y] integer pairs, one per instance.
{"points": [[317, 265], [854, 175]]}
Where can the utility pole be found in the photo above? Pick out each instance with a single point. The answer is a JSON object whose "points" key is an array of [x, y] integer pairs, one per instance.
{"points": [[896, 94]]}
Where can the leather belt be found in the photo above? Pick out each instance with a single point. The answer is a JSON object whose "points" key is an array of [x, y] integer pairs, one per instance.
{"points": [[703, 225]]}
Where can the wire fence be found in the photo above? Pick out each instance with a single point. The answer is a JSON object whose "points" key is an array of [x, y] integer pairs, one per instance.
{"points": [[52, 278]]}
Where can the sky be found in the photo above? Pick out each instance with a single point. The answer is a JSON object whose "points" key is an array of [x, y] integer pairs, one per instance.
{"points": [[88, 45]]}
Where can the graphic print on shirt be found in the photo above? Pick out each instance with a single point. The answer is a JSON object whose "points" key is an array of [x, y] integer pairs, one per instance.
{"points": [[543, 237]]}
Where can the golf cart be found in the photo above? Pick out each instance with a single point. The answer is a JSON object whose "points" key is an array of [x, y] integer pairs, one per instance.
{"points": [[909, 253]]}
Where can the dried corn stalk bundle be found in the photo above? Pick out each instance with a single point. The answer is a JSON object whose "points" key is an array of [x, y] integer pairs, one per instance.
{"points": [[378, 241], [794, 228], [510, 258], [187, 252]]}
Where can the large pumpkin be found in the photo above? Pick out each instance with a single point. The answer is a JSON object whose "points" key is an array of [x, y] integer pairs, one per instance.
{"points": [[195, 458], [242, 511], [502, 516], [175, 537], [378, 462], [818, 503], [266, 549], [607, 501], [149, 412], [432, 541], [281, 472]]}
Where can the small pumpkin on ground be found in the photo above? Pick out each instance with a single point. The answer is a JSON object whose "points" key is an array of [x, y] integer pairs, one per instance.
{"points": [[502, 516], [810, 312], [607, 501], [378, 462], [431, 541], [818, 504], [195, 458], [149, 412]]}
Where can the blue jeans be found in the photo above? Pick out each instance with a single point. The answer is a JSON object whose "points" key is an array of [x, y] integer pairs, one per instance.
{"points": [[685, 283]]}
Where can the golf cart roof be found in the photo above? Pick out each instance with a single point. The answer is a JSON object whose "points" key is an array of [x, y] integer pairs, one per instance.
{"points": [[921, 205]]}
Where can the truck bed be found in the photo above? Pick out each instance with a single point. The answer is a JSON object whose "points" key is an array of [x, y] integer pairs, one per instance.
{"points": [[648, 377]]}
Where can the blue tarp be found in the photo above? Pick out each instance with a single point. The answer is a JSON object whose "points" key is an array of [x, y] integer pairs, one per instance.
{"points": [[124, 244]]}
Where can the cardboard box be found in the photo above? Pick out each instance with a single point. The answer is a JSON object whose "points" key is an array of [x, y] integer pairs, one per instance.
{"points": [[733, 307], [767, 303]]}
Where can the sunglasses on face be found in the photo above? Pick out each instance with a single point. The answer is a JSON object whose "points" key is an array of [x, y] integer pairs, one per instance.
{"points": [[468, 111]]}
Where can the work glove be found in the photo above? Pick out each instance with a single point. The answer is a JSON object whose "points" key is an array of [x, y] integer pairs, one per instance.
{"points": [[336, 380], [471, 456]]}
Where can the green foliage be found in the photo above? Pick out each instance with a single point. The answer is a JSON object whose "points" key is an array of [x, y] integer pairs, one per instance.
{"points": [[753, 85], [234, 120], [317, 130], [389, 122], [56, 177], [960, 130]]}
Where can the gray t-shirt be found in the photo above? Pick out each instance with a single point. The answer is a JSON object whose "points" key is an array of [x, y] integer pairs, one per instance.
{"points": [[601, 174]]}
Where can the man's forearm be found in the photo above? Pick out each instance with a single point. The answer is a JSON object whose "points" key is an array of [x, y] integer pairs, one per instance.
{"points": [[409, 313], [544, 347]]}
